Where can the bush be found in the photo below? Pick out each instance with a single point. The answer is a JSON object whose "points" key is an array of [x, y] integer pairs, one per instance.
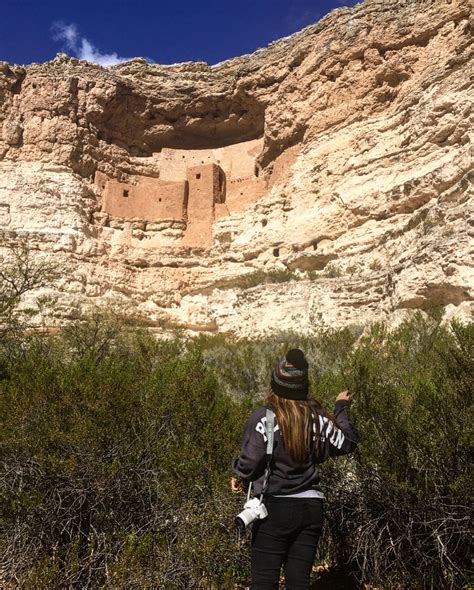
{"points": [[115, 464], [410, 507], [116, 450]]}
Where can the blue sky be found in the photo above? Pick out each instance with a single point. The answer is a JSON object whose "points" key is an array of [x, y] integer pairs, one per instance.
{"points": [[107, 31]]}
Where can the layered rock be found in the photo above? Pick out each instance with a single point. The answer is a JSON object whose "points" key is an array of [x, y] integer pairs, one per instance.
{"points": [[324, 179]]}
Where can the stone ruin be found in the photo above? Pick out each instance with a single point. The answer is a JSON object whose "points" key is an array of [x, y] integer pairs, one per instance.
{"points": [[192, 190]]}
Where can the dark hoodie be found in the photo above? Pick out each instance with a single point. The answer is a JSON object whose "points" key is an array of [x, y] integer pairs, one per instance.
{"points": [[288, 476]]}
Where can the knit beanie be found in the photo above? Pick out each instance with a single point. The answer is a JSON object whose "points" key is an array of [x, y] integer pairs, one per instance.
{"points": [[290, 376]]}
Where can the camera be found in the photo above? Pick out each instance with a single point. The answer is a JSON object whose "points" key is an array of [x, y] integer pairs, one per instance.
{"points": [[254, 509]]}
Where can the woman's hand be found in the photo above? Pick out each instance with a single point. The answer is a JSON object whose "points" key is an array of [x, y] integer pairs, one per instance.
{"points": [[345, 395], [236, 485]]}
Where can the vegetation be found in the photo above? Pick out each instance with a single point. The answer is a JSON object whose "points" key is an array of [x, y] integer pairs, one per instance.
{"points": [[116, 450], [19, 274], [330, 271], [376, 264], [252, 279]]}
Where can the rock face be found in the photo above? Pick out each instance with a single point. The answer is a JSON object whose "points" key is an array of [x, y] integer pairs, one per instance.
{"points": [[324, 179]]}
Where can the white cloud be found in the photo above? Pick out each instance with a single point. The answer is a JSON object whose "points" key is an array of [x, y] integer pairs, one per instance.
{"points": [[89, 52], [81, 47], [66, 33]]}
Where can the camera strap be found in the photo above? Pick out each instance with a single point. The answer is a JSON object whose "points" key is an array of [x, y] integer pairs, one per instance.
{"points": [[269, 431]]}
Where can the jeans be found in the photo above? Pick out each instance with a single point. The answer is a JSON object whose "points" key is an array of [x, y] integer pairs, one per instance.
{"points": [[288, 536]]}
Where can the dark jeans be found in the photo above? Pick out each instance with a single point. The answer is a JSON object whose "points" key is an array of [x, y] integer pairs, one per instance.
{"points": [[289, 537]]}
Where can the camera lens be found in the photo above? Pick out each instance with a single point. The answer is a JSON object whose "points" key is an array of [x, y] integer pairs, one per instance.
{"points": [[240, 524]]}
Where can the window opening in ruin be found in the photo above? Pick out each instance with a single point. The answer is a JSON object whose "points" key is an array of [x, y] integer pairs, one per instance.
{"points": [[315, 245], [159, 200], [220, 197], [125, 193], [264, 222], [276, 251], [198, 176]]}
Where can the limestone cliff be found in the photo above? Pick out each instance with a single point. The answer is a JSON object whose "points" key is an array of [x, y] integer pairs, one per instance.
{"points": [[324, 179]]}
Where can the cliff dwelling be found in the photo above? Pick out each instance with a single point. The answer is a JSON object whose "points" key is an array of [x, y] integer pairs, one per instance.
{"points": [[194, 188], [291, 158]]}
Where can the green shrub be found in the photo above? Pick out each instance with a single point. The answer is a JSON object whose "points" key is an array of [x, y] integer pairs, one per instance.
{"points": [[116, 449], [332, 271], [376, 265], [111, 456], [414, 388]]}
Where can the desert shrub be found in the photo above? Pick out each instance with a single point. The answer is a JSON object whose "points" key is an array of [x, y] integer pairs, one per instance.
{"points": [[115, 464], [401, 512], [116, 449], [244, 366], [20, 273], [376, 264], [332, 271]]}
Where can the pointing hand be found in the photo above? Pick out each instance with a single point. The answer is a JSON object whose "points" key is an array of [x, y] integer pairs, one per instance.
{"points": [[345, 395]]}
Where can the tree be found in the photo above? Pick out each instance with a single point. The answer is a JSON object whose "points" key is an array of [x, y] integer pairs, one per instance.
{"points": [[20, 273]]}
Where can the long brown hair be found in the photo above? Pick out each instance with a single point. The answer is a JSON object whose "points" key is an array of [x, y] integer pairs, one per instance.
{"points": [[295, 420]]}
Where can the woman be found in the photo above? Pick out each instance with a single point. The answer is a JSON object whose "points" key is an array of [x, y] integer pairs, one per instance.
{"points": [[304, 435]]}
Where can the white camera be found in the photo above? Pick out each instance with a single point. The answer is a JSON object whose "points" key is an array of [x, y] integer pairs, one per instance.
{"points": [[253, 510]]}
